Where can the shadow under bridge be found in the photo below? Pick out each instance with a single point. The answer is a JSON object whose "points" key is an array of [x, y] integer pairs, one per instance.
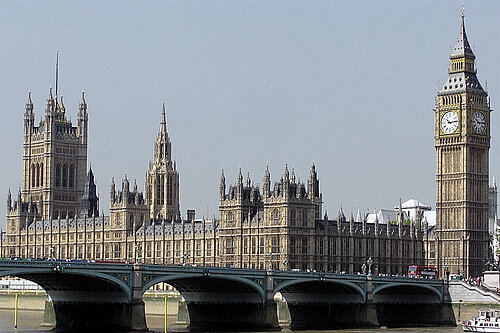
{"points": [[86, 299], [402, 304], [324, 303], [217, 300]]}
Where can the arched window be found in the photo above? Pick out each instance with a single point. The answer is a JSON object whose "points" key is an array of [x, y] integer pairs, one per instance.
{"points": [[230, 218], [37, 175], [304, 217], [58, 175], [33, 175], [41, 174], [72, 176], [131, 220], [293, 217], [65, 176], [276, 216]]}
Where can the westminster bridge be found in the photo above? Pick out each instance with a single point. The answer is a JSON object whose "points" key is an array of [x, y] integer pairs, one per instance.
{"points": [[109, 296]]}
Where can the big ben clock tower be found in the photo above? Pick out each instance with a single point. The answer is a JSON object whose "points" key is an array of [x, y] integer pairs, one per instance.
{"points": [[462, 141]]}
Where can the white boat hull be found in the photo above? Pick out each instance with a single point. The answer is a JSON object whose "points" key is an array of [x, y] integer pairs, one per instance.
{"points": [[476, 328]]}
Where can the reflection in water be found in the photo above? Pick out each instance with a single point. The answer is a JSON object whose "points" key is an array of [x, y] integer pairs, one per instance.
{"points": [[29, 322]]}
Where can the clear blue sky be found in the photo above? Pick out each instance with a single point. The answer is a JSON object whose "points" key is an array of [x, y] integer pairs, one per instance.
{"points": [[349, 85]]}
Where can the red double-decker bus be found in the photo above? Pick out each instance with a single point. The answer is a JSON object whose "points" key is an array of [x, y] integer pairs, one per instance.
{"points": [[423, 272]]}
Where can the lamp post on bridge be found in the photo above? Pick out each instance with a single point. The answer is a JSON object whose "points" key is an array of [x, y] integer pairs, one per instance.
{"points": [[369, 262], [185, 258], [285, 264], [136, 250], [270, 258]]}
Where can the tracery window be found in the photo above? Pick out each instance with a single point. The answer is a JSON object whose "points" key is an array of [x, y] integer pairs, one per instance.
{"points": [[58, 175], [72, 176], [230, 218], [65, 176], [276, 216]]}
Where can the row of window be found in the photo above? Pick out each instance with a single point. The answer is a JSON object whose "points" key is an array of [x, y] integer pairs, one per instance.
{"points": [[160, 190], [65, 175], [295, 220], [37, 175]]}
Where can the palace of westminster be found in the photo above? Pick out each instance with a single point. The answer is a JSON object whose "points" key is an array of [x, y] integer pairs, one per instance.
{"points": [[56, 214]]}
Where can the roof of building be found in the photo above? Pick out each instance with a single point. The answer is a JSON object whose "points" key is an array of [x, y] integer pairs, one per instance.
{"points": [[413, 203]]}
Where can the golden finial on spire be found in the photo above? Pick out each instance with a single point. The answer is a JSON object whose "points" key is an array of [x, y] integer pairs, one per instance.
{"points": [[463, 8]]}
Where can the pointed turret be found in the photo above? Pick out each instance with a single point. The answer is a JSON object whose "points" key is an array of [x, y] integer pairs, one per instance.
{"points": [[163, 122], [90, 200], [286, 174], [222, 186], [376, 223], [29, 104], [162, 152], [267, 183], [358, 216], [341, 217], [9, 200], [248, 182], [313, 183], [83, 103], [125, 188], [112, 192], [363, 225], [49, 107], [83, 120], [400, 219], [61, 107], [351, 223], [286, 182]]}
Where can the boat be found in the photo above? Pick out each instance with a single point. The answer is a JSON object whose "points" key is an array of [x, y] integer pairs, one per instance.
{"points": [[487, 321]]}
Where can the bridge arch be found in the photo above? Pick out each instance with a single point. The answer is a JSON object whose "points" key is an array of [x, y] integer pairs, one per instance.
{"points": [[187, 283], [72, 282], [216, 299], [398, 292], [82, 291], [328, 285]]}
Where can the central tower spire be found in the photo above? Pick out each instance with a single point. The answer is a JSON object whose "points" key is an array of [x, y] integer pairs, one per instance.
{"points": [[162, 184]]}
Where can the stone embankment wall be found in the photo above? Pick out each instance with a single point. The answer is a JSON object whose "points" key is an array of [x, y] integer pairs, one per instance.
{"points": [[470, 294], [31, 300], [26, 301]]}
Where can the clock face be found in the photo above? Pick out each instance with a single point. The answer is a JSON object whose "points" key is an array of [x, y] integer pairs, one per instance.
{"points": [[479, 122], [449, 122]]}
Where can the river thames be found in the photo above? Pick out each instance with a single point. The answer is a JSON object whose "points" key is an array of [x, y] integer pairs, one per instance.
{"points": [[30, 321]]}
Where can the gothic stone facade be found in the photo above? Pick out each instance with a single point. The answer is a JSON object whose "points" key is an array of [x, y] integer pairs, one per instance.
{"points": [[282, 228]]}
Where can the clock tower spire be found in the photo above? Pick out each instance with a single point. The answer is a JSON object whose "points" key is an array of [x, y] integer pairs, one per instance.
{"points": [[462, 142]]}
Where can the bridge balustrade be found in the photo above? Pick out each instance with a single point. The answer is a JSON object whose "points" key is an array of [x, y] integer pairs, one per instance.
{"points": [[227, 298]]}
